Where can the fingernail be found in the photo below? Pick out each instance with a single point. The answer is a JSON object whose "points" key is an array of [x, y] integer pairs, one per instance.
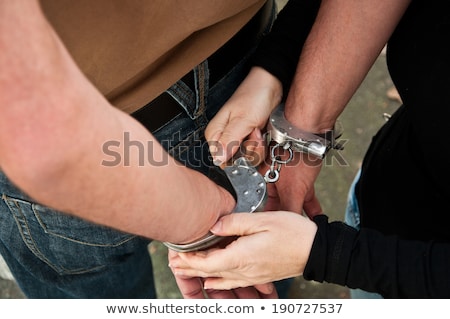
{"points": [[213, 149], [216, 150], [217, 227], [258, 133], [217, 162]]}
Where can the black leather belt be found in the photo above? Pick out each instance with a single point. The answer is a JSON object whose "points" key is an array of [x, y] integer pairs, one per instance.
{"points": [[164, 108]]}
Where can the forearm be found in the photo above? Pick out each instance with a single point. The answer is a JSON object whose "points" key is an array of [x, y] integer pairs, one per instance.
{"points": [[53, 131], [278, 52], [369, 260], [344, 42], [152, 195]]}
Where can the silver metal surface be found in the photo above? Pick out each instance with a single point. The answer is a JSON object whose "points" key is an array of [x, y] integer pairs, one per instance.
{"points": [[281, 131], [251, 193], [273, 173]]}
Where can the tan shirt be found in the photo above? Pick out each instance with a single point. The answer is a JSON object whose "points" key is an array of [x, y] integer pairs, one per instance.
{"points": [[133, 50]]}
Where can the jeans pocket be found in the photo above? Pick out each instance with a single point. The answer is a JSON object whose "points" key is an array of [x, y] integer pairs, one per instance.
{"points": [[66, 243]]}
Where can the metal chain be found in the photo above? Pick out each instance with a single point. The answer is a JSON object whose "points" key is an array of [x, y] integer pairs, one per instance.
{"points": [[273, 173]]}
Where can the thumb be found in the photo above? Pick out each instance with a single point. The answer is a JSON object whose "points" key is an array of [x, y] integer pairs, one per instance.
{"points": [[312, 207], [268, 290], [238, 224]]}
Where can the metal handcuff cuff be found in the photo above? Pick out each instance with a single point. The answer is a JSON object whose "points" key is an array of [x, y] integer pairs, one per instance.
{"points": [[244, 181], [247, 186], [292, 139]]}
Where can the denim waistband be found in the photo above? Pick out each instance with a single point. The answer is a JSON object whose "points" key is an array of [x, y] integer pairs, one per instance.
{"points": [[169, 104]]}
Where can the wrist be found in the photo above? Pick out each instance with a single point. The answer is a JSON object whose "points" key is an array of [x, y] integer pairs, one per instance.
{"points": [[288, 136], [315, 121], [219, 202], [239, 181], [311, 111], [208, 202], [307, 237], [260, 80], [227, 202]]}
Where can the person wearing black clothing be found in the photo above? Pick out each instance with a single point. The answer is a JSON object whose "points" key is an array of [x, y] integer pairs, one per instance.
{"points": [[401, 246]]}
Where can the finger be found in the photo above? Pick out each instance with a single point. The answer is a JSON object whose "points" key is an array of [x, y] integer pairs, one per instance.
{"points": [[216, 283], [182, 270], [241, 288], [213, 133], [217, 125], [219, 262], [204, 265], [229, 134], [246, 293], [312, 207], [254, 148], [272, 295], [188, 272], [273, 199], [190, 288], [220, 294], [241, 224], [240, 293], [265, 289]]}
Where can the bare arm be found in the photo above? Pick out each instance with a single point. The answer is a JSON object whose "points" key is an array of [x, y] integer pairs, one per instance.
{"points": [[345, 40], [53, 126], [343, 44]]}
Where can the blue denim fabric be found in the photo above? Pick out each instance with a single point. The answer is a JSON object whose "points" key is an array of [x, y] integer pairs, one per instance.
{"points": [[53, 255], [183, 136], [352, 218]]}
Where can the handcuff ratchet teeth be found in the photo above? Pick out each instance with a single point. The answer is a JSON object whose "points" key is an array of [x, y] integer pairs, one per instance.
{"points": [[247, 186]]}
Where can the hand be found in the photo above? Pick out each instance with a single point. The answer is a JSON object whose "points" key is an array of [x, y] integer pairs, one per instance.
{"points": [[272, 246], [294, 191], [244, 116], [192, 288]]}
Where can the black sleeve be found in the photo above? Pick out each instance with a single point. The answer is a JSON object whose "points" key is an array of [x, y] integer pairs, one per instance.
{"points": [[368, 260], [279, 51]]}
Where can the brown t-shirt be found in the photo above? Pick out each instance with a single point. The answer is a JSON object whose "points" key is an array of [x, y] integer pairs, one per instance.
{"points": [[132, 50]]}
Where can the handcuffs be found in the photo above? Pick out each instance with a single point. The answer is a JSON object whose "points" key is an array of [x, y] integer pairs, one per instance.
{"points": [[248, 186]]}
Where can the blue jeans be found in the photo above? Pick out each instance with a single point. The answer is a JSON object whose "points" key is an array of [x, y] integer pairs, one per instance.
{"points": [[352, 218], [53, 255]]}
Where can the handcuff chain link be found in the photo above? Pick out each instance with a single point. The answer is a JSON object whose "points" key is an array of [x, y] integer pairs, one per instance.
{"points": [[273, 173]]}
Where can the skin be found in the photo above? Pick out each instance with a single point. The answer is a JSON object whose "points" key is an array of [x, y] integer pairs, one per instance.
{"points": [[50, 111], [51, 142], [245, 263], [344, 42]]}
